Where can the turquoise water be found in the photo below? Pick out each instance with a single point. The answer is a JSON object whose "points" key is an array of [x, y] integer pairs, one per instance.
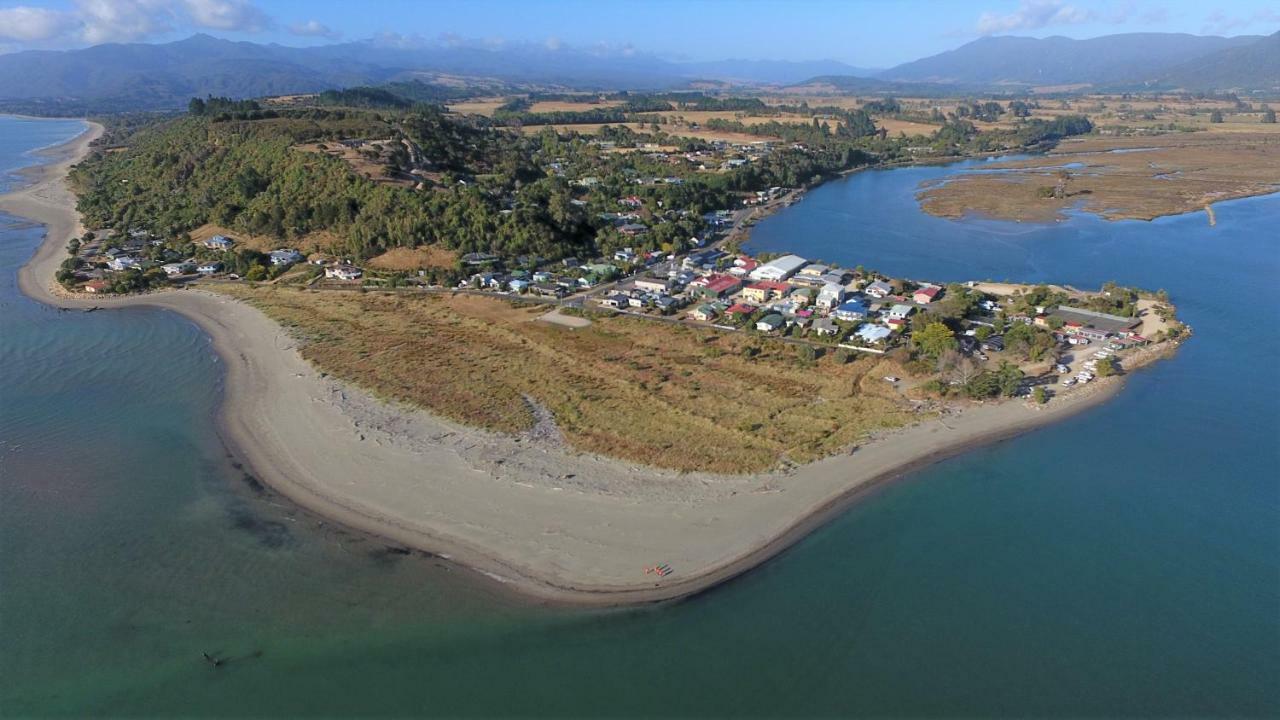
{"points": [[1126, 561]]}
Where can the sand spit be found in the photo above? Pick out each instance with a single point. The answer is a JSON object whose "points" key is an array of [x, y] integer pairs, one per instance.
{"points": [[547, 522]]}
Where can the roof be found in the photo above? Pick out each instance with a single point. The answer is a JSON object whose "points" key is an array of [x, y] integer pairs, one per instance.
{"points": [[786, 263], [741, 309], [770, 285], [930, 292], [722, 283], [872, 333], [901, 309]]}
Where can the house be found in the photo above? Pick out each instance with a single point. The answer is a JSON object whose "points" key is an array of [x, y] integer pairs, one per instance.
{"points": [[900, 311], [209, 268], [219, 242], [850, 311], [878, 289], [779, 269], [825, 326], [546, 289], [285, 256], [926, 295], [801, 296], [666, 303], [477, 258], [177, 268], [770, 323], [124, 262], [625, 255], [649, 284], [814, 271], [718, 286], [765, 290], [830, 296], [97, 286], [343, 272], [704, 313], [633, 229], [518, 285], [616, 301], [739, 309], [872, 334], [896, 323]]}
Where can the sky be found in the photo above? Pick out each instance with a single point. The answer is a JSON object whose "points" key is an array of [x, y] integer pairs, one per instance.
{"points": [[865, 33]]}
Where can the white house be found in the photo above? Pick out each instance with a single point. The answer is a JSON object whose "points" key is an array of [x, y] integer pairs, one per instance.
{"points": [[779, 269], [124, 262], [873, 333], [830, 296], [649, 284], [209, 268], [285, 256], [176, 268], [878, 289], [900, 311], [343, 272], [219, 242]]}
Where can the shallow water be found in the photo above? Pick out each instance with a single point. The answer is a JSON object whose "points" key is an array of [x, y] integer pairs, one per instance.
{"points": [[1126, 561]]}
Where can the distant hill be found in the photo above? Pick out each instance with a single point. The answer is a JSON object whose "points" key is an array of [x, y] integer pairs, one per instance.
{"points": [[1133, 58], [142, 76], [1254, 66]]}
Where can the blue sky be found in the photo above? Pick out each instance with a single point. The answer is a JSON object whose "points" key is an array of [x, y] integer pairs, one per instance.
{"points": [[861, 32]]}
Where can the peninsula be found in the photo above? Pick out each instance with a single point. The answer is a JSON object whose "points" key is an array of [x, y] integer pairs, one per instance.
{"points": [[623, 429]]}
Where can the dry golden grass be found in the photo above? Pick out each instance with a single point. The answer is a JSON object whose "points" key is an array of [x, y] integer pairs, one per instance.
{"points": [[428, 256], [588, 102], [261, 243], [1183, 172], [478, 106], [676, 130], [910, 128], [666, 396]]}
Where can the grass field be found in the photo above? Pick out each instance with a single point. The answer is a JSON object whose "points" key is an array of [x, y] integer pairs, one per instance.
{"points": [[407, 259], [1170, 174], [667, 396]]}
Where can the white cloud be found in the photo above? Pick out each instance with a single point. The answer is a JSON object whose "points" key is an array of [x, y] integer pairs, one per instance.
{"points": [[314, 28], [100, 21], [30, 24], [1219, 23], [553, 44], [122, 20], [1033, 15], [230, 15]]}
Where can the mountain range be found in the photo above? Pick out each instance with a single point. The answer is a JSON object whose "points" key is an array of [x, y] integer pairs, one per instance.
{"points": [[152, 76]]}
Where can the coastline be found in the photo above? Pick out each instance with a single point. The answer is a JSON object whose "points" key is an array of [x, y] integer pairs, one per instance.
{"points": [[553, 525]]}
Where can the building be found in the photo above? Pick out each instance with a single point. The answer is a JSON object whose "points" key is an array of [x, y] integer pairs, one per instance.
{"points": [[764, 291], [770, 323], [97, 286], [704, 313], [649, 284], [209, 268], [825, 326], [718, 286], [177, 268], [219, 242], [343, 272], [830, 296], [285, 256], [878, 289], [850, 311], [873, 334], [616, 301], [900, 312], [124, 262], [740, 309], [779, 269], [926, 295]]}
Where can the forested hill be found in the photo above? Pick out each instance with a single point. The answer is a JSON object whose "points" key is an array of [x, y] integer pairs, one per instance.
{"points": [[242, 169]]}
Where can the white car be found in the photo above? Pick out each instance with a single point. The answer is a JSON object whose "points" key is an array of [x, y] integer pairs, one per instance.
{"points": [[890, 378]]}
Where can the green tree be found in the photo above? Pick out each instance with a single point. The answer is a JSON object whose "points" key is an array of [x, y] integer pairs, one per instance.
{"points": [[934, 339], [1040, 395], [1106, 367], [1215, 116]]}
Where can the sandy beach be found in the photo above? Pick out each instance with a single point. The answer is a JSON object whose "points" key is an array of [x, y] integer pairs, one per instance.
{"points": [[550, 523]]}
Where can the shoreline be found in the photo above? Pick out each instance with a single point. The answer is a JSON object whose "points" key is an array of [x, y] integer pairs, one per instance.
{"points": [[552, 525]]}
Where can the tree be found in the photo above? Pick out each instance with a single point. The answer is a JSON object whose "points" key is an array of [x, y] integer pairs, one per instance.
{"points": [[1040, 395], [1106, 367], [1008, 379], [1269, 116], [934, 339], [1215, 116], [956, 367]]}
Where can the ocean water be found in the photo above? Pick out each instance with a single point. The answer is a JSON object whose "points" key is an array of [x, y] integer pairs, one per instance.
{"points": [[1124, 562]]}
